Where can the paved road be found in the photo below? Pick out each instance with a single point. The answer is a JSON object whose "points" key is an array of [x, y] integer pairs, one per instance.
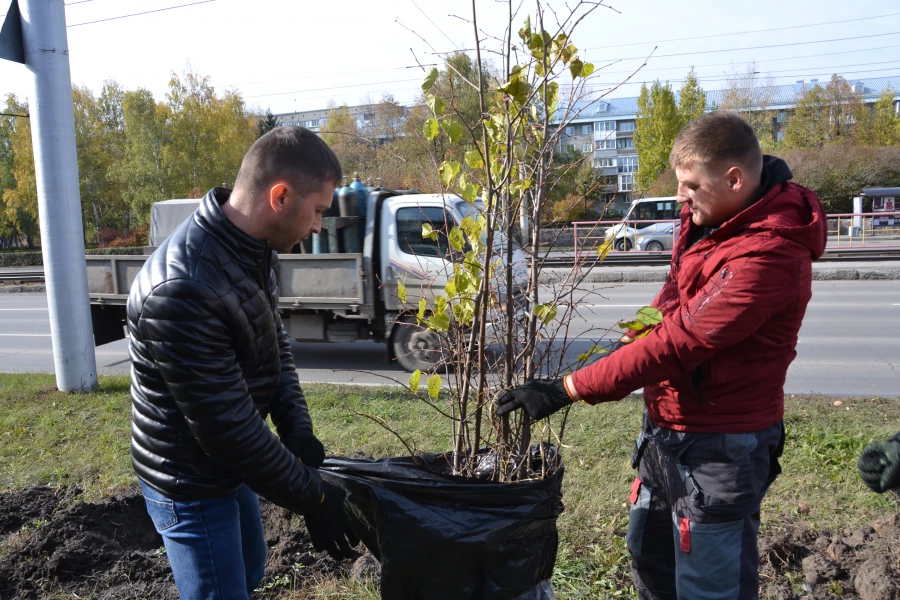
{"points": [[848, 344]]}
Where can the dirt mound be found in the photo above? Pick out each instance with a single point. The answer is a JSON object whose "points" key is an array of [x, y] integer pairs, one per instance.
{"points": [[865, 564], [54, 545]]}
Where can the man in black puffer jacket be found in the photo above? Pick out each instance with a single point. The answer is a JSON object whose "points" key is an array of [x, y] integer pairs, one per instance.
{"points": [[211, 360]]}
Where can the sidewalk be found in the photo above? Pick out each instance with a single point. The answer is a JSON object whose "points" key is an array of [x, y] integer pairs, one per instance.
{"points": [[848, 271]]}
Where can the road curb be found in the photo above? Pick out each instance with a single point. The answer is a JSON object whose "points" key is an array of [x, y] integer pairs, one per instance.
{"points": [[23, 289]]}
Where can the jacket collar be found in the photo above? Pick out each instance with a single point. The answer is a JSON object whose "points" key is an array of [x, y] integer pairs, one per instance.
{"points": [[249, 251]]}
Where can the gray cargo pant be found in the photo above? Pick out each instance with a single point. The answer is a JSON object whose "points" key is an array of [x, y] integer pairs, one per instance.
{"points": [[695, 512]]}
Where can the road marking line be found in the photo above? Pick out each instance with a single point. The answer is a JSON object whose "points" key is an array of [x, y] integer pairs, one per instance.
{"points": [[24, 335], [24, 309]]}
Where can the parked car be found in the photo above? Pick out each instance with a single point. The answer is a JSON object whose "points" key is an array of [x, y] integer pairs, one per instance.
{"points": [[653, 237]]}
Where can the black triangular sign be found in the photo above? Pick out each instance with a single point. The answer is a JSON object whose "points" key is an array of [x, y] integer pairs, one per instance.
{"points": [[11, 46]]}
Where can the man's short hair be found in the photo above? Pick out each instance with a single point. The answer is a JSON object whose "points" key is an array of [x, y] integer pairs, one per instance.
{"points": [[294, 154], [717, 139]]}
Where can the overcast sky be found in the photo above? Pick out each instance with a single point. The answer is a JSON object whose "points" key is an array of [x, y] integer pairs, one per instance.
{"points": [[299, 54]]}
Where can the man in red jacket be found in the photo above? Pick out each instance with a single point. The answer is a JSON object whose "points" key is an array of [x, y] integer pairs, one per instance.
{"points": [[713, 371]]}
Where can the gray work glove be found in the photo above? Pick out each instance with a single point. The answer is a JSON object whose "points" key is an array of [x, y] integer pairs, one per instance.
{"points": [[879, 465]]}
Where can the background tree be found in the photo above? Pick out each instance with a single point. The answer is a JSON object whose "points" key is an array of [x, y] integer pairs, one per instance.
{"points": [[144, 174], [658, 123], [878, 125], [9, 234], [691, 99], [751, 97], [837, 173], [21, 200], [267, 123]]}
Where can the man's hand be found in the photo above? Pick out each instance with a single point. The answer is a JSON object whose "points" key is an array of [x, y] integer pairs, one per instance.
{"points": [[879, 465], [306, 447], [540, 398], [329, 527]]}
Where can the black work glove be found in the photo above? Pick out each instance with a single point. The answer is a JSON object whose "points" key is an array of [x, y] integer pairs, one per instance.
{"points": [[306, 447], [540, 398], [879, 465], [329, 526]]}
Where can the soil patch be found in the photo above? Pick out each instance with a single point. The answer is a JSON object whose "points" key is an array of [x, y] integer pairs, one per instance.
{"points": [[859, 564], [52, 544]]}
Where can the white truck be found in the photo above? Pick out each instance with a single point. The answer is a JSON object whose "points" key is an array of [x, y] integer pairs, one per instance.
{"points": [[333, 297]]}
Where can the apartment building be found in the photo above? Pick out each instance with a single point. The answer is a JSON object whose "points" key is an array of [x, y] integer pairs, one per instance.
{"points": [[605, 128]]}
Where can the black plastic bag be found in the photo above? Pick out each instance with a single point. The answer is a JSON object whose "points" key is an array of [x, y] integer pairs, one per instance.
{"points": [[439, 536]]}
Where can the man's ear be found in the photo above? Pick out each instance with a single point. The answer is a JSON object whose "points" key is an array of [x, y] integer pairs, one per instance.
{"points": [[736, 179], [278, 197]]}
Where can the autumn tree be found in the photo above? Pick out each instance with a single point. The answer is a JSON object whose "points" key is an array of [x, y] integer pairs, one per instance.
{"points": [[752, 97], [145, 173], [658, 123], [20, 200], [691, 99], [878, 125]]}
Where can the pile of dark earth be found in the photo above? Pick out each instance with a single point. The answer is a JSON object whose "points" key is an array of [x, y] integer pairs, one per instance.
{"points": [[54, 545], [797, 563]]}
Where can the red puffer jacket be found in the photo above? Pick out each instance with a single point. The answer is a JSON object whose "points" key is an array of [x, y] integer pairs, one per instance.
{"points": [[732, 306]]}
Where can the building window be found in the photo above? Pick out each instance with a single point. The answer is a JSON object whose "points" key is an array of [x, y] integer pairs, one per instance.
{"points": [[607, 162], [625, 143], [585, 148], [606, 145], [782, 116], [779, 136], [586, 129], [570, 148], [626, 183], [368, 116], [570, 130], [626, 126], [605, 126], [628, 164]]}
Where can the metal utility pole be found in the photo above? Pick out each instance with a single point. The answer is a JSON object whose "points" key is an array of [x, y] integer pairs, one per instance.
{"points": [[46, 54]]}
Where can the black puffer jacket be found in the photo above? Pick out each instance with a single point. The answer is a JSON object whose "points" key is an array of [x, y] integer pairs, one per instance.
{"points": [[210, 360]]}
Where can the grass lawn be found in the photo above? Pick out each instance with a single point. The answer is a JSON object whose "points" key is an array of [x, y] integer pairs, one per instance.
{"points": [[50, 438]]}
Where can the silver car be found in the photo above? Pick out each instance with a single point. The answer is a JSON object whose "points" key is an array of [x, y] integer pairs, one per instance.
{"points": [[655, 237]]}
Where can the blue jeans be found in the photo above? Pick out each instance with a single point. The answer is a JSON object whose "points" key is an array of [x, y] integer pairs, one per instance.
{"points": [[216, 548]]}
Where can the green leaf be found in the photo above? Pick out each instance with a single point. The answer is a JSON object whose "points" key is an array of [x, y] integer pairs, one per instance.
{"points": [[587, 70], [434, 386], [428, 232], [421, 314], [401, 292], [414, 379], [431, 129], [457, 239], [438, 322], [518, 187], [536, 45], [429, 80], [450, 289], [464, 312], [470, 193], [576, 67], [436, 104], [453, 129], [525, 32], [539, 68], [517, 88], [474, 159], [448, 171], [594, 350], [635, 325], [545, 312], [649, 316], [552, 96]]}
